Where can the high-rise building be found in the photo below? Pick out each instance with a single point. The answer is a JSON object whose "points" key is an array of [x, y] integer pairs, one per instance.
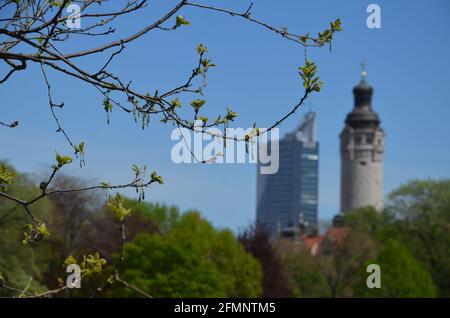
{"points": [[362, 148], [290, 196]]}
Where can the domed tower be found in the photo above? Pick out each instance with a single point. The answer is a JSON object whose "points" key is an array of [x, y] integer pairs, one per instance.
{"points": [[362, 148]]}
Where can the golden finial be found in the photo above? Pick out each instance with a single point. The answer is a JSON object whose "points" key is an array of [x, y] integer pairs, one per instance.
{"points": [[363, 70]]}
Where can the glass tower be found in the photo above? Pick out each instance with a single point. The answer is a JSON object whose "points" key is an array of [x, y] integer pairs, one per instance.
{"points": [[291, 194]]}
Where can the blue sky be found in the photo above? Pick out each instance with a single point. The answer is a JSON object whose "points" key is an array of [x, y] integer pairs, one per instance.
{"points": [[407, 63]]}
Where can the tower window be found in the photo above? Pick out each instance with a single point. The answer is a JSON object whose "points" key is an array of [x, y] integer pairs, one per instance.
{"points": [[358, 140], [363, 163], [369, 139]]}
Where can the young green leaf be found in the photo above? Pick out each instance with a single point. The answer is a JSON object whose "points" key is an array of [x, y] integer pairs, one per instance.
{"points": [[107, 105], [231, 115], [197, 104], [180, 20], [6, 176], [156, 178], [92, 263], [43, 230], [201, 49], [175, 102], [116, 205], [70, 260], [63, 160]]}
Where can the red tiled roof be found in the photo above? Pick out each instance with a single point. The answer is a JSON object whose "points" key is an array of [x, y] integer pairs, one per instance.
{"points": [[310, 241], [334, 234]]}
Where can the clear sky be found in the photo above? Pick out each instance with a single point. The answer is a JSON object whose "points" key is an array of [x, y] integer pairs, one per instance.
{"points": [[408, 64]]}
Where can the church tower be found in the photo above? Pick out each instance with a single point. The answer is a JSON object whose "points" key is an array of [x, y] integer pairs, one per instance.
{"points": [[362, 148]]}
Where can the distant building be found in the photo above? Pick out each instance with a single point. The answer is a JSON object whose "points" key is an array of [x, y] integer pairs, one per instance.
{"points": [[291, 195], [362, 148], [335, 236]]}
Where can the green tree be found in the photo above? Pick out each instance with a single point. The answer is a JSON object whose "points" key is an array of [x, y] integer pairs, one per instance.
{"points": [[371, 221], [18, 262], [190, 258], [302, 270], [164, 268], [401, 274], [340, 260], [240, 272], [423, 210], [256, 241]]}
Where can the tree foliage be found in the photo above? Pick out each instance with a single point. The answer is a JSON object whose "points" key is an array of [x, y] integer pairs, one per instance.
{"points": [[423, 210], [256, 241], [192, 259], [401, 274], [165, 253], [18, 263], [409, 240]]}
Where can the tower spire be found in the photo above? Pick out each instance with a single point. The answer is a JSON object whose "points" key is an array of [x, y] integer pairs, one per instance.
{"points": [[363, 70], [362, 114]]}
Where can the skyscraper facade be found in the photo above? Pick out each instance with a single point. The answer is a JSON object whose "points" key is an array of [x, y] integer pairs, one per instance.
{"points": [[291, 195], [362, 149]]}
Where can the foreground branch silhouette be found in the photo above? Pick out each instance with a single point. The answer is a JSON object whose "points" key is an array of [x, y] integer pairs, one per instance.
{"points": [[33, 31]]}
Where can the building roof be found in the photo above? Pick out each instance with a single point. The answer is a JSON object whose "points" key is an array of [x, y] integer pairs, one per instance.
{"points": [[312, 243], [335, 235], [362, 114]]}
